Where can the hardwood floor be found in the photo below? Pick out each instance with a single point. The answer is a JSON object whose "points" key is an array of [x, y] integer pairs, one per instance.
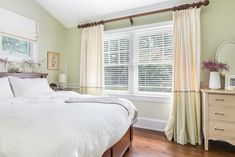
{"points": [[154, 144]]}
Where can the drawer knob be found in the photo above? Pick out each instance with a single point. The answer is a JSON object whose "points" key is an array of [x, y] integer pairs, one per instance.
{"points": [[219, 99], [219, 129], [219, 113]]}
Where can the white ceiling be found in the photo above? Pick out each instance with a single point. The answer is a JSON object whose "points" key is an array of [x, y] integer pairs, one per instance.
{"points": [[73, 12]]}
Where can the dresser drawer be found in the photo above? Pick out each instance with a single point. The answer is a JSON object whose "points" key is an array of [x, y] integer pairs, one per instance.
{"points": [[220, 99], [222, 129], [222, 113]]}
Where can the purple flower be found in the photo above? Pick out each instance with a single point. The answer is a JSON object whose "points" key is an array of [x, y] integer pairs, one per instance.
{"points": [[215, 66]]}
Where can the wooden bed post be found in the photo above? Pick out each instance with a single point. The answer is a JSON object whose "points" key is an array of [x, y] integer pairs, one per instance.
{"points": [[122, 146]]}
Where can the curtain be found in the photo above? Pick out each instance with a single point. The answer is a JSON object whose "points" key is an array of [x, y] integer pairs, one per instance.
{"points": [[91, 68], [184, 125]]}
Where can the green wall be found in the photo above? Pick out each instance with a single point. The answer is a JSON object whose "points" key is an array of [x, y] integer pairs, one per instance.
{"points": [[217, 26], [51, 33], [73, 41]]}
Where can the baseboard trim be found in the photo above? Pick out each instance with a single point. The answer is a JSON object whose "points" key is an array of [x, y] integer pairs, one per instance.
{"points": [[151, 124], [77, 86]]}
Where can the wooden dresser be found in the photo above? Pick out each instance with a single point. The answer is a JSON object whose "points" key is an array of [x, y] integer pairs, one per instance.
{"points": [[218, 115]]}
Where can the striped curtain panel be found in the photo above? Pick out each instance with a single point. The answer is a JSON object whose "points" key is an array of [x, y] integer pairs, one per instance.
{"points": [[184, 125], [91, 65]]}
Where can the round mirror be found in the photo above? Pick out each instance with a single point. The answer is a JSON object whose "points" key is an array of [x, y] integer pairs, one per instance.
{"points": [[226, 54]]}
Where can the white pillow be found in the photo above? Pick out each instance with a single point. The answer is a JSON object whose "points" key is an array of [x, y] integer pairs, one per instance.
{"points": [[29, 87], [5, 89]]}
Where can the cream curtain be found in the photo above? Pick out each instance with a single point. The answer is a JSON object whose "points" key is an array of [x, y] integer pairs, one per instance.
{"points": [[184, 125], [91, 67]]}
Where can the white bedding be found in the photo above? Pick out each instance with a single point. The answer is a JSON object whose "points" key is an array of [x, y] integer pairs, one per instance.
{"points": [[46, 126]]}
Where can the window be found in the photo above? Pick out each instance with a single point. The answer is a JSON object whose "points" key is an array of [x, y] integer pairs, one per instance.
{"points": [[139, 60], [16, 48], [18, 36]]}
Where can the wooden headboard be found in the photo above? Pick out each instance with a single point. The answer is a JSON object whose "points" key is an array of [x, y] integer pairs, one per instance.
{"points": [[24, 75]]}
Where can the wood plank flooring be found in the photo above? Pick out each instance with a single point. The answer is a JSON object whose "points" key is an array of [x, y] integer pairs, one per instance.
{"points": [[154, 144]]}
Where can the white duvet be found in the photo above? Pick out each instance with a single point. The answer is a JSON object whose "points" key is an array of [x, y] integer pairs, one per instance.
{"points": [[46, 126]]}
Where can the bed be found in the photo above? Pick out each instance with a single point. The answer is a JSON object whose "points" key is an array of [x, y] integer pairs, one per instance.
{"points": [[46, 126]]}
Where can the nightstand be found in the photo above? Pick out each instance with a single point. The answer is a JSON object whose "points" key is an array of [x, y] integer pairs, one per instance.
{"points": [[218, 115]]}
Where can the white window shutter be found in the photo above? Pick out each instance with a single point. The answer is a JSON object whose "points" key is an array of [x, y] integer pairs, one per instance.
{"points": [[154, 50], [116, 62]]}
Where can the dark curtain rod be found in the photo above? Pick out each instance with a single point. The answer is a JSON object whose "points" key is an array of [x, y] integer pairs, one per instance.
{"points": [[175, 8]]}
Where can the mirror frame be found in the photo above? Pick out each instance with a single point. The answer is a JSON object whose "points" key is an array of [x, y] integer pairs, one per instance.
{"points": [[219, 49]]}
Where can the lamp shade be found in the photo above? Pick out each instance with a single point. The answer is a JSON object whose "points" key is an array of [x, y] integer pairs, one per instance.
{"points": [[62, 78]]}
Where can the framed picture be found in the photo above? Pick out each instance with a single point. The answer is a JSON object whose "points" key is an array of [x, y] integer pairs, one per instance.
{"points": [[53, 60], [229, 82]]}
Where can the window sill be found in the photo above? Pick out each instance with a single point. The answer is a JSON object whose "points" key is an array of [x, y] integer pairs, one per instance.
{"points": [[160, 98]]}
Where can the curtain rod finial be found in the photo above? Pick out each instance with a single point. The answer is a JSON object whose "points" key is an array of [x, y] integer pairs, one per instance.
{"points": [[206, 2]]}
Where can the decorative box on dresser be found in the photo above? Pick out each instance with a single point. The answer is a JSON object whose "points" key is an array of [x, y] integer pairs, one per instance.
{"points": [[218, 115]]}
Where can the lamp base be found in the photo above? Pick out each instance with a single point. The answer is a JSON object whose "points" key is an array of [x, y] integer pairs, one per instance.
{"points": [[61, 86]]}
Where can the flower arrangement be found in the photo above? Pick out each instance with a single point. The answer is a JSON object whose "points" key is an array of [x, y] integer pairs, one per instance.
{"points": [[215, 66], [34, 66], [31, 62]]}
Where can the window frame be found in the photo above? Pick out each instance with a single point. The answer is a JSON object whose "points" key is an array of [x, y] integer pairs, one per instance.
{"points": [[17, 57], [133, 92]]}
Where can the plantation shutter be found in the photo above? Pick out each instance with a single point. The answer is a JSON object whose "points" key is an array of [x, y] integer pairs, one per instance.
{"points": [[154, 54], [116, 61], [139, 60]]}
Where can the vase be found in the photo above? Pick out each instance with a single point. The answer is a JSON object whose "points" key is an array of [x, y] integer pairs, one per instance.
{"points": [[214, 81]]}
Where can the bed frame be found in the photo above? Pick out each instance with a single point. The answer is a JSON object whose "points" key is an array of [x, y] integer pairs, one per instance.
{"points": [[117, 150], [122, 146]]}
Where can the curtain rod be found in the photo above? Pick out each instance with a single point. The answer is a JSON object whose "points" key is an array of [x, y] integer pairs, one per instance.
{"points": [[175, 8]]}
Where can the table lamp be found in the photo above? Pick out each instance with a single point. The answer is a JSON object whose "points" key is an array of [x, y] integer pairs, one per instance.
{"points": [[62, 81]]}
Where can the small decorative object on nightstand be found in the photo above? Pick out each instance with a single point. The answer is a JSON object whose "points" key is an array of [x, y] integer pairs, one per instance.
{"points": [[218, 115], [62, 81], [215, 68], [229, 82]]}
